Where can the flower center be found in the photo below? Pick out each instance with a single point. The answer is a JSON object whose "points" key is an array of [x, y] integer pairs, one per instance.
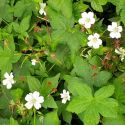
{"points": [[95, 40], [10, 80], [116, 29], [33, 100], [87, 20], [65, 96]]}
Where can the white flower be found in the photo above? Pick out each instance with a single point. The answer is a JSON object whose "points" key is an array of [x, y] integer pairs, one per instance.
{"points": [[34, 61], [34, 100], [115, 30], [42, 7], [94, 41], [8, 81], [87, 19], [120, 51], [65, 96]]}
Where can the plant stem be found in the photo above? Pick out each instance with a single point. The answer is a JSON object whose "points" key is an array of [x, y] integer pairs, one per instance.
{"points": [[34, 111]]}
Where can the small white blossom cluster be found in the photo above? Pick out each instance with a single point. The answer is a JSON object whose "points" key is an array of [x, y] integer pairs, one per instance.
{"points": [[42, 9], [115, 30], [65, 96], [34, 100], [120, 51], [88, 20], [33, 62], [94, 41], [8, 81]]}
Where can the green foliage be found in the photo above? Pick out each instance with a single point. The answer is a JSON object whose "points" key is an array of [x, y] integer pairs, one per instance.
{"points": [[87, 105], [33, 83], [90, 73], [49, 53], [13, 122], [51, 118]]}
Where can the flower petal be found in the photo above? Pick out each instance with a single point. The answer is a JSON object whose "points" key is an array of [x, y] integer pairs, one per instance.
{"points": [[114, 24], [29, 97], [96, 35], [84, 14], [96, 46], [112, 34], [92, 21], [118, 35], [120, 28], [9, 86], [81, 21], [28, 105], [90, 44], [5, 82], [36, 94], [40, 99], [87, 25], [110, 28], [64, 101], [37, 105], [90, 14], [6, 75]]}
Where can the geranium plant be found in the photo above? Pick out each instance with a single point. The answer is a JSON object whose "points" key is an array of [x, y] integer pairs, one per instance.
{"points": [[62, 62]]}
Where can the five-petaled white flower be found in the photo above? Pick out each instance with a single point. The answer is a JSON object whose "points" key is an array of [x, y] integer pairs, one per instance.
{"points": [[115, 30], [65, 96], [34, 100], [8, 81], [94, 41], [34, 61], [120, 51], [42, 8], [87, 19]]}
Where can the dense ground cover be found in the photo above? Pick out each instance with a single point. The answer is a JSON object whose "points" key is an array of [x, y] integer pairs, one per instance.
{"points": [[62, 62]]}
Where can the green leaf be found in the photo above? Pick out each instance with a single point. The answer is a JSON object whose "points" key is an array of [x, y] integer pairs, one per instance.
{"points": [[4, 121], [104, 92], [65, 6], [8, 13], [2, 6], [102, 78], [67, 116], [120, 120], [90, 73], [13, 122], [107, 107], [57, 20], [8, 57], [25, 23], [49, 102], [120, 91], [84, 70], [86, 116], [97, 4], [33, 83], [24, 8], [63, 30], [19, 9], [77, 105], [120, 88], [51, 119], [78, 87], [78, 8], [16, 94], [119, 8], [49, 84], [87, 107]]}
